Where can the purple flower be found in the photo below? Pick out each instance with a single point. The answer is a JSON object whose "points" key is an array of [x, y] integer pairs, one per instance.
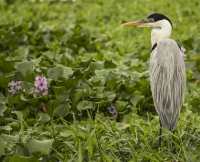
{"points": [[41, 85], [112, 110], [14, 87]]}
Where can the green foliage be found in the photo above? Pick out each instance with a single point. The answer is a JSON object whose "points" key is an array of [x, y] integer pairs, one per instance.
{"points": [[18, 158], [91, 63]]}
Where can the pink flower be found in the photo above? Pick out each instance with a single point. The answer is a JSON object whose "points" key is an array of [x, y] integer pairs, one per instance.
{"points": [[41, 85], [14, 87]]}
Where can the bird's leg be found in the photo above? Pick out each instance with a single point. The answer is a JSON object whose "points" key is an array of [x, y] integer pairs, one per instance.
{"points": [[173, 146], [160, 136]]}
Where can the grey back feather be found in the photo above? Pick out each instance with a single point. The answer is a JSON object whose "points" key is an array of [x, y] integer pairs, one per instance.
{"points": [[167, 79]]}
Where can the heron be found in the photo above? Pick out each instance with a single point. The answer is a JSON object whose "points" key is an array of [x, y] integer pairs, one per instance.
{"points": [[166, 69]]}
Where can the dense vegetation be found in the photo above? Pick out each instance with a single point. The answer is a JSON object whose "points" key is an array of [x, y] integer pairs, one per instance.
{"points": [[74, 84]]}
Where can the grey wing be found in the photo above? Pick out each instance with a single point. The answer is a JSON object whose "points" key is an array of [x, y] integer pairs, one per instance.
{"points": [[167, 79]]}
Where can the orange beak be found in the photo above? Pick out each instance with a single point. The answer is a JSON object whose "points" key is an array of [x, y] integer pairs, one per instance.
{"points": [[137, 23]]}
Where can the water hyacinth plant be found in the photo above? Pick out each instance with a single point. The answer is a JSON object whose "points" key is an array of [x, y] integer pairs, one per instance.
{"points": [[98, 106], [14, 87], [41, 85]]}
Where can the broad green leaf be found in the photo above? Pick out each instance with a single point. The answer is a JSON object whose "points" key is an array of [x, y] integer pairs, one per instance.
{"points": [[25, 67], [39, 146], [55, 73], [67, 71], [14, 99], [6, 66], [20, 54]]}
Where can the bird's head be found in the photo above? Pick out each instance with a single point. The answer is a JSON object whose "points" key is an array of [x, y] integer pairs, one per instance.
{"points": [[155, 20], [161, 26]]}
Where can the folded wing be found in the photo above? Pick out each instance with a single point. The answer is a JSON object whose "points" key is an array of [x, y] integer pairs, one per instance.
{"points": [[167, 79]]}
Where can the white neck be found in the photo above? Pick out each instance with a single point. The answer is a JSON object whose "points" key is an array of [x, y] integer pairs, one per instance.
{"points": [[161, 30]]}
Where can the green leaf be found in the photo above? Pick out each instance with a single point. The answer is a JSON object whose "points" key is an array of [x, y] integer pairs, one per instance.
{"points": [[20, 158], [3, 145], [78, 94], [55, 73], [121, 105], [7, 142], [6, 128], [6, 66], [91, 141], [110, 95], [4, 81], [19, 115], [59, 71], [62, 110], [3, 108], [84, 105], [66, 133], [109, 64], [25, 67], [44, 117], [14, 99], [39, 146], [23, 98], [67, 71], [80, 154]]}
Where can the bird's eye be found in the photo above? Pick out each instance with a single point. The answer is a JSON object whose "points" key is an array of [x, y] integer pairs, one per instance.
{"points": [[151, 20]]}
